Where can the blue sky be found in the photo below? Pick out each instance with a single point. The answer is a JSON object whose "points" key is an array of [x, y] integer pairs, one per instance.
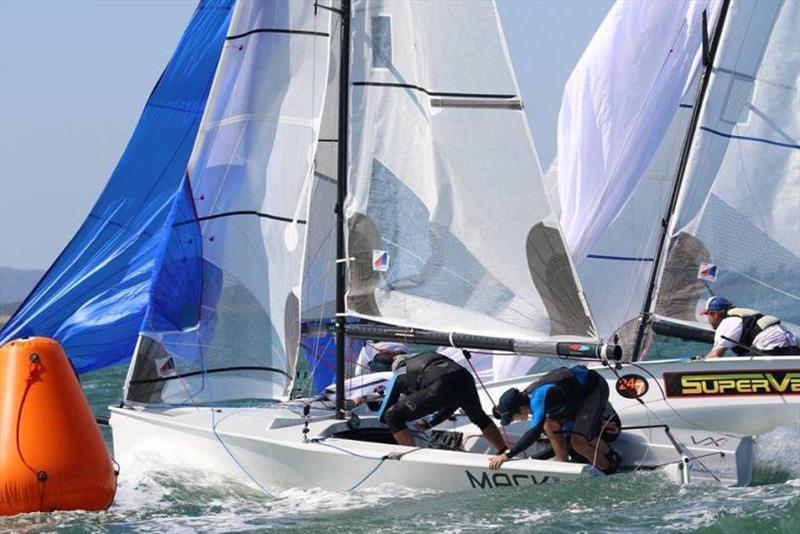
{"points": [[74, 76]]}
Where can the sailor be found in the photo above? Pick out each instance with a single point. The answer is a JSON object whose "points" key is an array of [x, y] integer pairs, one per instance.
{"points": [[562, 400], [431, 382], [746, 331], [378, 357]]}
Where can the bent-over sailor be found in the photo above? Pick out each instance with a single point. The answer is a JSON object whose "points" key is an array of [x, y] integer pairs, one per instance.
{"points": [[431, 382], [563, 400]]}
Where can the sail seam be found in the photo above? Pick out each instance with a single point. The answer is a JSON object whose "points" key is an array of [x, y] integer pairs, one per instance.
{"points": [[209, 371], [430, 93], [748, 138], [277, 30], [241, 212]]}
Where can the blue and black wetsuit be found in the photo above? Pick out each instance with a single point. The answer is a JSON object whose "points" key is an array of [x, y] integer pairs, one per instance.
{"points": [[576, 395]]}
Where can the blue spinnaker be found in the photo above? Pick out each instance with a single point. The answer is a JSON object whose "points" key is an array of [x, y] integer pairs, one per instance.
{"points": [[94, 297]]}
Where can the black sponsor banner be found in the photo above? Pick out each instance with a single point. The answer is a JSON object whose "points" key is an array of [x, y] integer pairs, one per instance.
{"points": [[719, 383]]}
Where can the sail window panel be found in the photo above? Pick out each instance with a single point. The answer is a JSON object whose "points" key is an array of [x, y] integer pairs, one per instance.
{"points": [[738, 207], [381, 41]]}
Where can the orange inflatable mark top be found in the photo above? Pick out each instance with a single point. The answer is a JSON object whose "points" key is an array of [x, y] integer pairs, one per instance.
{"points": [[52, 455]]}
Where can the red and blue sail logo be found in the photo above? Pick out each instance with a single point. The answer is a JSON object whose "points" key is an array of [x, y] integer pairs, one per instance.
{"points": [[165, 365], [707, 271], [380, 260]]}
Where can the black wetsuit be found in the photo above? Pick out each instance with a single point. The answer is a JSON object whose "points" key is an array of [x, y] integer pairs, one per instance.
{"points": [[434, 383]]}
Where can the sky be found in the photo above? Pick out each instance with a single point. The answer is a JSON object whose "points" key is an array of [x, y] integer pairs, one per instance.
{"points": [[75, 75]]}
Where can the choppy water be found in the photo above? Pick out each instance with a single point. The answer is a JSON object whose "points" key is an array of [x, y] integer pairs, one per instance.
{"points": [[153, 500]]}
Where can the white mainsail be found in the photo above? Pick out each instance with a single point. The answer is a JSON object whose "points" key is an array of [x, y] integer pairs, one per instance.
{"points": [[250, 179], [449, 226], [736, 229]]}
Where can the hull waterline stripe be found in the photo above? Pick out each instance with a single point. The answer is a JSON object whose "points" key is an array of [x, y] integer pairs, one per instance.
{"points": [[618, 258], [427, 92], [748, 138], [243, 212], [277, 30], [210, 371]]}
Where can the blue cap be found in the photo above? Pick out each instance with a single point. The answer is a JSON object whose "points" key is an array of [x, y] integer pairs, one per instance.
{"points": [[717, 304], [509, 404]]}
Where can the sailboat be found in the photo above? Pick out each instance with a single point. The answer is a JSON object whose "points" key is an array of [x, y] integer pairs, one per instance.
{"points": [[380, 147]]}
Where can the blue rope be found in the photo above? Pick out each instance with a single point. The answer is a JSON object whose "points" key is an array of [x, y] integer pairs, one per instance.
{"points": [[219, 438], [351, 453]]}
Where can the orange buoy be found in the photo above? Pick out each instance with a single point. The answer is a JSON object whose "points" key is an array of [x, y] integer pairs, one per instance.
{"points": [[52, 455]]}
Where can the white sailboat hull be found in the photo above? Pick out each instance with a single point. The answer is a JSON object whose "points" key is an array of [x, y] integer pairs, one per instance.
{"points": [[267, 445], [279, 459]]}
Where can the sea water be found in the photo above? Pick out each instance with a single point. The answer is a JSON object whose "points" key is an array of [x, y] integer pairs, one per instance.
{"points": [[151, 498]]}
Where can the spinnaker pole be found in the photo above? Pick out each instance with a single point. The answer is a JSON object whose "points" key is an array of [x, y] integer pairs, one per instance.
{"points": [[709, 53], [341, 252]]}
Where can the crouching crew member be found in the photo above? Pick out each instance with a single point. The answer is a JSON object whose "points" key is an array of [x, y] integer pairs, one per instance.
{"points": [[431, 382], [561, 398]]}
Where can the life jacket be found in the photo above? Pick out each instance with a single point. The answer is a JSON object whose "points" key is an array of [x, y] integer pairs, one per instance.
{"points": [[422, 368], [753, 323], [566, 395]]}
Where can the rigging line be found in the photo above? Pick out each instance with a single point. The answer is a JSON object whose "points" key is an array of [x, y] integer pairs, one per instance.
{"points": [[431, 93], [277, 30]]}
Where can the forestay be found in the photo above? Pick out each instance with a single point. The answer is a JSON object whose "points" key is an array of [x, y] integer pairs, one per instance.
{"points": [[736, 230], [449, 226], [250, 176]]}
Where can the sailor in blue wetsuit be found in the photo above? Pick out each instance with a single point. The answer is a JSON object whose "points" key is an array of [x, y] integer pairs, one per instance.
{"points": [[562, 398]]}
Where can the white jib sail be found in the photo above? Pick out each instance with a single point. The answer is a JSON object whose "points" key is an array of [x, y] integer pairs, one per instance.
{"points": [[736, 230], [250, 173], [449, 225]]}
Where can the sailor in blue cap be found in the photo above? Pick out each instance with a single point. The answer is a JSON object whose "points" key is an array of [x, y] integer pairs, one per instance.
{"points": [[562, 399], [747, 332]]}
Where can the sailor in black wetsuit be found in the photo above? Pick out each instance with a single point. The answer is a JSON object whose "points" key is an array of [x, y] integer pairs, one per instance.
{"points": [[431, 382], [561, 398]]}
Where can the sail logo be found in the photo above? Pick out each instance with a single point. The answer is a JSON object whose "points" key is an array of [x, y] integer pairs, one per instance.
{"points": [[380, 260], [165, 365], [714, 383], [500, 480], [708, 272]]}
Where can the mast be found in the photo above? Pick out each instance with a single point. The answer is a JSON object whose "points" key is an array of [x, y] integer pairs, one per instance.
{"points": [[708, 61], [341, 182]]}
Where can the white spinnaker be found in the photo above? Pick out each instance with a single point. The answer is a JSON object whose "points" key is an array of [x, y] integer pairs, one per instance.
{"points": [[618, 104], [444, 178], [250, 175], [615, 272], [739, 207]]}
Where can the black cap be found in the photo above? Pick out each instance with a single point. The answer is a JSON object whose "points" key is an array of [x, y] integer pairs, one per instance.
{"points": [[510, 403]]}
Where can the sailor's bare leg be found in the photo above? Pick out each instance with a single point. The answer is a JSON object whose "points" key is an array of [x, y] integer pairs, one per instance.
{"points": [[404, 437], [551, 429], [595, 451], [492, 434]]}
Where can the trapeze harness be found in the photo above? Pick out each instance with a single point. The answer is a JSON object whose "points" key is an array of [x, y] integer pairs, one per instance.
{"points": [[753, 323]]}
